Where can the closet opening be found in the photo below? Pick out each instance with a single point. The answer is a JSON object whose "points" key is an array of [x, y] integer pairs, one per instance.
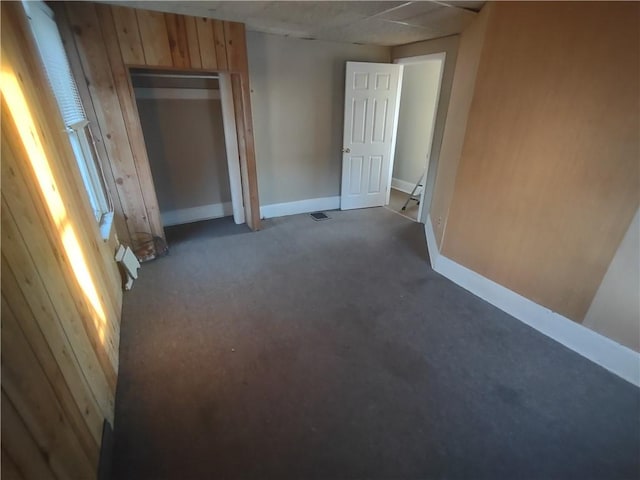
{"points": [[189, 129]]}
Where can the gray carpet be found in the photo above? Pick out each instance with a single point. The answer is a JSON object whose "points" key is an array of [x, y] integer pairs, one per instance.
{"points": [[330, 350]]}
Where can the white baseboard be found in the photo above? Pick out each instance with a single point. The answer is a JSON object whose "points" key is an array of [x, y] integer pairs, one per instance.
{"points": [[432, 245], [401, 185], [300, 206], [195, 214], [607, 353]]}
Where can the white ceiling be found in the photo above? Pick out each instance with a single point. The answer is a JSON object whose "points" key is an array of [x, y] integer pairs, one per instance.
{"points": [[366, 22]]}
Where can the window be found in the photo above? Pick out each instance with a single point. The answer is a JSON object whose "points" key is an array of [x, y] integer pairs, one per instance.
{"points": [[65, 90]]}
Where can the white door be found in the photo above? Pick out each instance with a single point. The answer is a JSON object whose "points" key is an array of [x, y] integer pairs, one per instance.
{"points": [[371, 104]]}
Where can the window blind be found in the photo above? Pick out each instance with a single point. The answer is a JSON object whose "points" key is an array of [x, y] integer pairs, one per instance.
{"points": [[55, 62]]}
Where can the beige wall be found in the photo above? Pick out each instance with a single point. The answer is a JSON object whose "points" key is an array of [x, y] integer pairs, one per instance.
{"points": [[615, 310], [418, 102], [548, 172], [297, 100], [448, 45], [462, 88], [185, 144]]}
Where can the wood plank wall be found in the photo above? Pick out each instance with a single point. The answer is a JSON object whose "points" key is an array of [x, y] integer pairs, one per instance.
{"points": [[103, 42], [61, 289], [548, 180]]}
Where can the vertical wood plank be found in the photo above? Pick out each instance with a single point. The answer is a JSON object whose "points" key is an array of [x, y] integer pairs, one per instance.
{"points": [[45, 124], [98, 72], [53, 303], [126, 24], [194, 45], [20, 60], [238, 62], [52, 348], [9, 470], [21, 196], [20, 445], [90, 109], [207, 44], [154, 38], [178, 42], [131, 119], [221, 47], [28, 388]]}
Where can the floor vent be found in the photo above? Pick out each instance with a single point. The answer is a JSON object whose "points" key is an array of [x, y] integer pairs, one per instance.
{"points": [[318, 216]]}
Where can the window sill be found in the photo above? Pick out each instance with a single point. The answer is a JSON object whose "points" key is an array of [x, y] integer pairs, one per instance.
{"points": [[106, 226]]}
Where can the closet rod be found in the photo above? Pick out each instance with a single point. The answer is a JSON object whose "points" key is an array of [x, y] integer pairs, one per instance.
{"points": [[170, 75]]}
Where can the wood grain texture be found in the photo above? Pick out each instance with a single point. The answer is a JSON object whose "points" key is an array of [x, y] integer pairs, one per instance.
{"points": [[25, 382], [178, 41], [220, 44], [129, 109], [99, 76], [204, 27], [21, 446], [154, 38], [548, 179], [238, 62], [60, 287], [104, 43], [126, 24], [47, 339], [190, 24], [9, 469]]}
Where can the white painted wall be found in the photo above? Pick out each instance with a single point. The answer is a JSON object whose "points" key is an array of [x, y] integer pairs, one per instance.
{"points": [[418, 101], [297, 101], [615, 310]]}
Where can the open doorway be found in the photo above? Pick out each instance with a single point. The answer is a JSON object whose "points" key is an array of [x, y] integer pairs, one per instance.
{"points": [[189, 131], [419, 97]]}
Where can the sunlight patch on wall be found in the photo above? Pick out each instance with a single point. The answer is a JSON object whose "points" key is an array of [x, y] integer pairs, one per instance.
{"points": [[19, 109]]}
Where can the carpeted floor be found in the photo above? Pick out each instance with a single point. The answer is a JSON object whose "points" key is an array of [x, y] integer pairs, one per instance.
{"points": [[330, 350]]}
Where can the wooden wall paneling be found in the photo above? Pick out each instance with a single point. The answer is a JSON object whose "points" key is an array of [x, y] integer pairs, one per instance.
{"points": [[20, 445], [191, 27], [203, 39], [221, 44], [97, 70], [27, 386], [129, 109], [178, 41], [47, 294], [206, 40], [52, 347], [88, 103], [546, 189], [9, 469], [76, 214], [237, 61], [45, 244], [155, 41], [45, 114], [126, 24]]}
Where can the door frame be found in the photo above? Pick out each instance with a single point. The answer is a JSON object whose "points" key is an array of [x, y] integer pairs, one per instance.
{"points": [[442, 56], [394, 132], [228, 123]]}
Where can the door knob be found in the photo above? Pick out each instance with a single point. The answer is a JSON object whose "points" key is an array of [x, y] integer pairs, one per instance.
{"points": [[346, 150]]}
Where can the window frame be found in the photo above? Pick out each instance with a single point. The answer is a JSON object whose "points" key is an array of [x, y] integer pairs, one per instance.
{"points": [[79, 132]]}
